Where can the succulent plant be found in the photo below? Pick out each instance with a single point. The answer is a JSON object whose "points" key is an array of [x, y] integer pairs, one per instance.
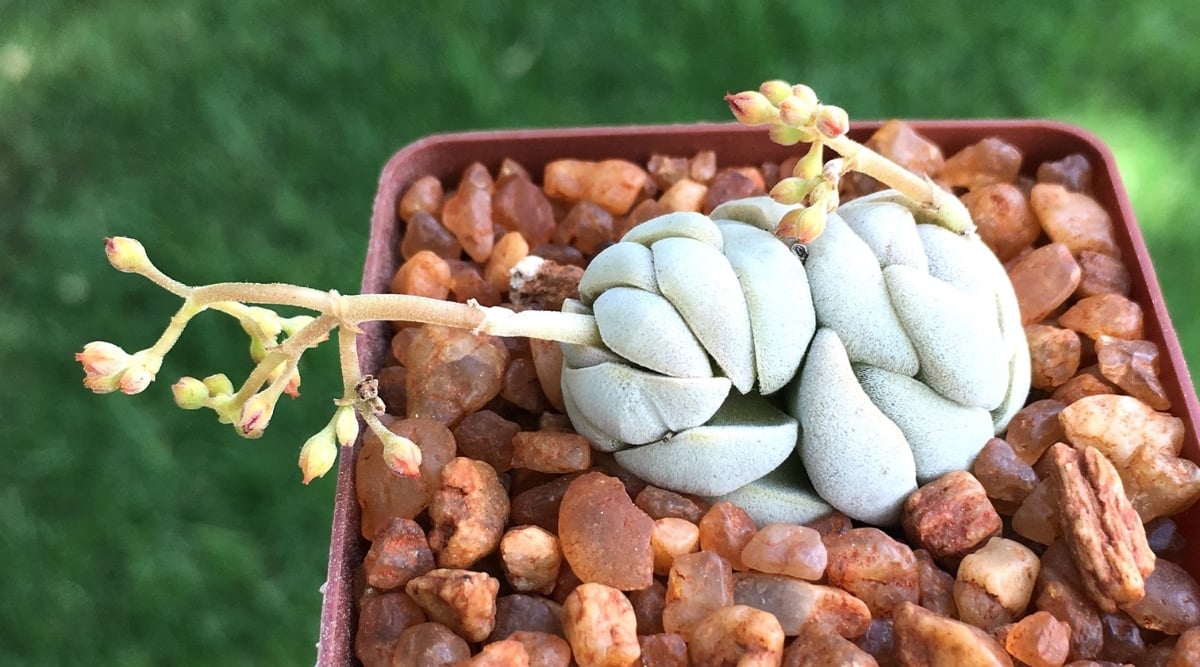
{"points": [[885, 360]]}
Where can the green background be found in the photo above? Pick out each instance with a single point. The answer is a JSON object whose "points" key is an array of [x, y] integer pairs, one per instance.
{"points": [[243, 140]]}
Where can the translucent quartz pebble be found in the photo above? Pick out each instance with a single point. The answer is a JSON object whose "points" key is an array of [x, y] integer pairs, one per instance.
{"points": [[1132, 365], [462, 600], [520, 206], [1102, 274], [1073, 172], [1104, 315], [664, 503], [520, 612], [703, 287], [989, 161], [469, 510], [543, 648], [950, 516], [487, 436], [785, 548], [836, 451], [729, 185], [453, 372], [888, 230], [530, 557], [1054, 355], [784, 495], [666, 170], [586, 226], [850, 297], [725, 530], [398, 553], [744, 440], [1074, 219], [1172, 601], [551, 451], [508, 251], [814, 647], [799, 603], [671, 538], [604, 537], [383, 494], [646, 329], [936, 586], [877, 569], [600, 626], [424, 274], [1039, 639], [423, 196], [943, 435], [737, 635], [684, 195], [665, 649], [781, 320], [623, 264], [1003, 218], [923, 637], [954, 335], [1036, 518], [1034, 429], [648, 604], [613, 184], [425, 232], [1005, 477], [1043, 280], [638, 406], [1087, 382], [382, 620], [699, 584], [993, 585], [468, 215], [430, 644]]}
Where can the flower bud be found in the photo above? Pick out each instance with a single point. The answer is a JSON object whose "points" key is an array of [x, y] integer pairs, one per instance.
{"points": [[785, 135], [262, 322], [806, 94], [255, 415], [809, 166], [345, 425], [775, 91], [791, 190], [400, 454], [135, 379], [752, 108], [102, 359], [796, 111], [317, 455], [190, 393], [832, 122], [802, 224], [126, 254], [218, 384], [102, 384]]}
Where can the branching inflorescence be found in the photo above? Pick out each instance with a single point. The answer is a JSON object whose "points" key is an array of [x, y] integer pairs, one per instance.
{"points": [[277, 343]]}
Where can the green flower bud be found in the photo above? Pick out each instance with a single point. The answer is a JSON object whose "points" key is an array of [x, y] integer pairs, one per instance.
{"points": [[318, 455], [126, 254], [775, 91], [345, 425], [218, 385], [190, 393], [791, 190]]}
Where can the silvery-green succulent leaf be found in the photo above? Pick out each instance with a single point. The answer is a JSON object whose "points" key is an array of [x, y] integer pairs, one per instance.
{"points": [[888, 230], [943, 435], [781, 320], [784, 495], [957, 338], [850, 297], [680, 224], [744, 440], [621, 264], [637, 406], [646, 329], [857, 458], [699, 282], [761, 212], [599, 439]]}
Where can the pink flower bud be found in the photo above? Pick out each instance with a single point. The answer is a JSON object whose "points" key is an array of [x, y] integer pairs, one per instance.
{"points": [[135, 379], [832, 122], [190, 393], [775, 91], [317, 455], [752, 108], [126, 254], [802, 224], [806, 94], [102, 359], [400, 454], [796, 111], [256, 414]]}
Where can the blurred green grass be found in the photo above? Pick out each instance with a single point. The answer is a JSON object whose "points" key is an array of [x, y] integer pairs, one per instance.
{"points": [[244, 140]]}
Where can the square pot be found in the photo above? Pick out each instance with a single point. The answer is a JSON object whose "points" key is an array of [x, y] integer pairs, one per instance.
{"points": [[445, 156]]}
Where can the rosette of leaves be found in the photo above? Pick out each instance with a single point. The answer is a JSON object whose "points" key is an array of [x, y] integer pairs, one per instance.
{"points": [[732, 370]]}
